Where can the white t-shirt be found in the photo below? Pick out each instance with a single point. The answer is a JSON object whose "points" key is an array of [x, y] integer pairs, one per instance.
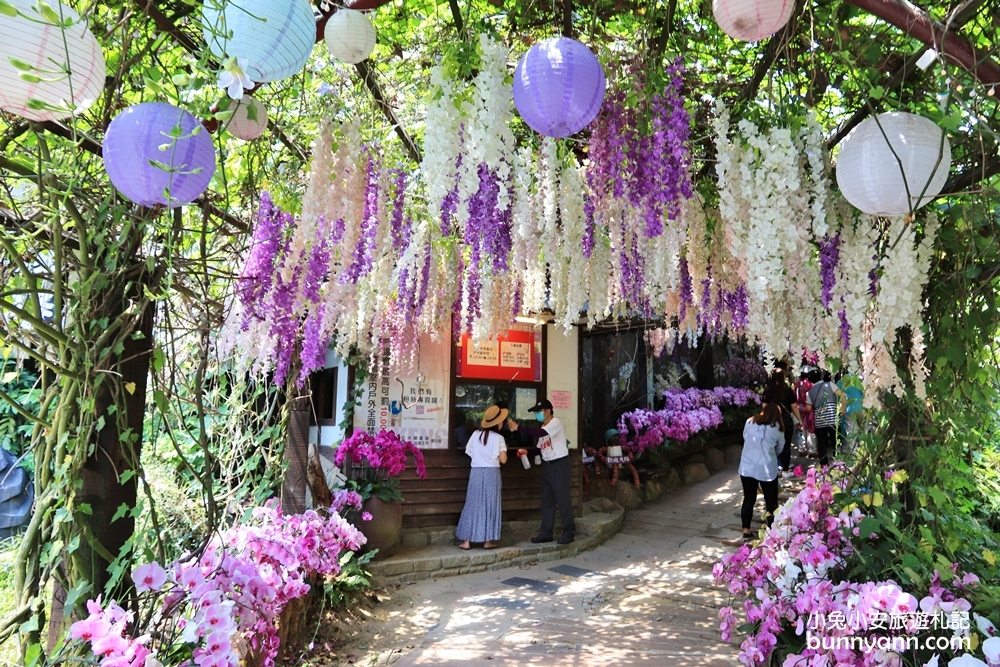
{"points": [[485, 455], [761, 445], [553, 445]]}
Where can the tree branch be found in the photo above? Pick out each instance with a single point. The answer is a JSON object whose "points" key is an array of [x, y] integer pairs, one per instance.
{"points": [[918, 24], [962, 15], [367, 75]]}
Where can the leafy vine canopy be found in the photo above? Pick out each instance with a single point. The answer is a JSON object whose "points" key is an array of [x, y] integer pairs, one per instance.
{"points": [[405, 195]]}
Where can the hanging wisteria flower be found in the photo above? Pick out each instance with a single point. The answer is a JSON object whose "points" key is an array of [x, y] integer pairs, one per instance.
{"points": [[233, 78]]}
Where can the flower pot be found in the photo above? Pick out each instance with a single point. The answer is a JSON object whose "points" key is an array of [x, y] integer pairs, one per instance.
{"points": [[385, 528]]}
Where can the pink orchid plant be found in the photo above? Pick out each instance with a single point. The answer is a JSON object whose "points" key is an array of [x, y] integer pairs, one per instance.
{"points": [[220, 606], [802, 610], [686, 412], [377, 461]]}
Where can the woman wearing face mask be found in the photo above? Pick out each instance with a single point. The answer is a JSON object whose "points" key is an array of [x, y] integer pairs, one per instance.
{"points": [[554, 449], [481, 516]]}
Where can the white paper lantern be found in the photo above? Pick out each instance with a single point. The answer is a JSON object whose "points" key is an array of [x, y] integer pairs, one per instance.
{"points": [[275, 36], [752, 20], [349, 35], [57, 70], [241, 125], [872, 179]]}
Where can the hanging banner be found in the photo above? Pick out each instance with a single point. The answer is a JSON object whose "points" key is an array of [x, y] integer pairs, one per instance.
{"points": [[514, 356], [413, 406]]}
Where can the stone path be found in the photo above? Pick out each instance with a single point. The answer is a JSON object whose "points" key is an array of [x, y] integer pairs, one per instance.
{"points": [[644, 597]]}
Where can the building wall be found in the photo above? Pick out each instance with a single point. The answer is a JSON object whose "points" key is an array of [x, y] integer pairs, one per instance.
{"points": [[562, 370]]}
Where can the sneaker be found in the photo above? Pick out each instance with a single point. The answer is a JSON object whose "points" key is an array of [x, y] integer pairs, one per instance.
{"points": [[566, 539], [788, 474], [540, 539]]}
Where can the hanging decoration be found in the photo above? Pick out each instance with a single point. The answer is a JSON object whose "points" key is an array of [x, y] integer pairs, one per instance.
{"points": [[893, 164], [157, 154], [349, 35], [558, 87], [752, 20], [485, 232], [53, 68], [275, 38], [249, 119]]}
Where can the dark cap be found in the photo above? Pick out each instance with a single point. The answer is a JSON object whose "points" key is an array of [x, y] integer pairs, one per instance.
{"points": [[543, 404]]}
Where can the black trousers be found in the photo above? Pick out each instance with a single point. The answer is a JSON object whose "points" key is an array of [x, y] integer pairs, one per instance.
{"points": [[785, 456], [770, 490], [555, 491], [826, 442]]}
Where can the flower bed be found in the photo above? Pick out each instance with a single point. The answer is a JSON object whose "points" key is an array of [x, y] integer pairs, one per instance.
{"points": [[222, 606], [804, 604], [686, 412]]}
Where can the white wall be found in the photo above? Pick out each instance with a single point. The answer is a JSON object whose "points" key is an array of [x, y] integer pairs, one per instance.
{"points": [[563, 374], [331, 435]]}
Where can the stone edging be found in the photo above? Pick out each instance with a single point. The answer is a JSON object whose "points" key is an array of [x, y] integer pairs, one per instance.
{"points": [[592, 530]]}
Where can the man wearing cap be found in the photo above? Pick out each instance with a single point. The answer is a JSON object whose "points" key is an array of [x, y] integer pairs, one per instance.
{"points": [[554, 450]]}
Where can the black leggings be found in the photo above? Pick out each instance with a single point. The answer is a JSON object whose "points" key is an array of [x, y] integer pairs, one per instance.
{"points": [[826, 443], [770, 490]]}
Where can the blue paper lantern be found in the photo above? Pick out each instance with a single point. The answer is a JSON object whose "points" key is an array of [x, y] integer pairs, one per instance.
{"points": [[558, 87], [274, 36], [152, 157]]}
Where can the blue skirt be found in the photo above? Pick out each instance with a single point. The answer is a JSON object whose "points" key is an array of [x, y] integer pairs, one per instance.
{"points": [[481, 517]]}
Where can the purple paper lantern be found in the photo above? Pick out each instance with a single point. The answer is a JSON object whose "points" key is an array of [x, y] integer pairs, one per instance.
{"points": [[558, 87], [153, 158]]}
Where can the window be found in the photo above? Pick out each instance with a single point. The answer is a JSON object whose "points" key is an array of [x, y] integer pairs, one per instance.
{"points": [[324, 397]]}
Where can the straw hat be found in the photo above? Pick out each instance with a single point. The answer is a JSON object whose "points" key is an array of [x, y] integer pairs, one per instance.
{"points": [[494, 416]]}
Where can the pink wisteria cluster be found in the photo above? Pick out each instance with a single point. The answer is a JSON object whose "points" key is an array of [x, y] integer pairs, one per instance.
{"points": [[792, 586], [685, 412], [215, 608]]}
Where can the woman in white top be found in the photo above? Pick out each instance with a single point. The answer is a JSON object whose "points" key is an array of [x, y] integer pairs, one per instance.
{"points": [[481, 516], [763, 440]]}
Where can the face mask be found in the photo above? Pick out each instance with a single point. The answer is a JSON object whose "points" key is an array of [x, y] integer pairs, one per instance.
{"points": [[540, 416]]}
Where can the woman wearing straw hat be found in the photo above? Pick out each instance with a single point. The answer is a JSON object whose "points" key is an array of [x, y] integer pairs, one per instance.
{"points": [[480, 521]]}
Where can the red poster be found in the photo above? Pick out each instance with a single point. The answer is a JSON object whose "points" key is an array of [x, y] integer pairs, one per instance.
{"points": [[511, 356]]}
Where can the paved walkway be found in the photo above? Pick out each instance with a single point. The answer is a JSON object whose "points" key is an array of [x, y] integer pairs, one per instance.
{"points": [[644, 597]]}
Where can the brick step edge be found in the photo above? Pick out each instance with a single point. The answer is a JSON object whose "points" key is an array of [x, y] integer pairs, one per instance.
{"points": [[601, 527]]}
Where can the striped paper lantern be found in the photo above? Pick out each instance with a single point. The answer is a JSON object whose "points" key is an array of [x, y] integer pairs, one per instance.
{"points": [[872, 179], [275, 36], [558, 87], [752, 20], [349, 35], [145, 163], [241, 124], [34, 45]]}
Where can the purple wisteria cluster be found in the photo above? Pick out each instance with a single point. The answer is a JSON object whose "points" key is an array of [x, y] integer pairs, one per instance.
{"points": [[640, 152], [829, 257], [685, 412]]}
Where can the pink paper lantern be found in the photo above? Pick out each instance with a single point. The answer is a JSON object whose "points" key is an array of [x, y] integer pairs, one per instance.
{"points": [[155, 153], [48, 70], [752, 20], [558, 87]]}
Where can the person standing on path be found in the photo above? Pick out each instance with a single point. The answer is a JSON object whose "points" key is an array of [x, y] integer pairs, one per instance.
{"points": [[777, 392], [481, 516], [554, 449], [827, 403], [763, 440]]}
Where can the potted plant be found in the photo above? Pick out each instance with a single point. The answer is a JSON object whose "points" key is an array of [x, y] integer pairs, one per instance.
{"points": [[376, 463]]}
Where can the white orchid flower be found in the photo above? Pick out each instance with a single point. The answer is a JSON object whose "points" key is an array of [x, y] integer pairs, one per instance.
{"points": [[966, 660], [991, 649], [234, 77]]}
